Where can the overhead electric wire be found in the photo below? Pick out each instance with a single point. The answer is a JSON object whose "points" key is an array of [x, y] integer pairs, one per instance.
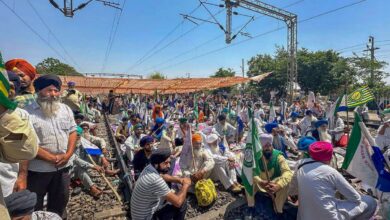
{"points": [[116, 15], [113, 36], [162, 40], [55, 37], [34, 31], [211, 40], [172, 42], [262, 34]]}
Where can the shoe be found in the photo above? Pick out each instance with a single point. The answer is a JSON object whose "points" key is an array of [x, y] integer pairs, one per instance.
{"points": [[95, 192], [76, 191]]}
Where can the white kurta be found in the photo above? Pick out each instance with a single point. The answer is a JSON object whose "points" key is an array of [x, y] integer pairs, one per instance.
{"points": [[338, 129], [221, 170], [131, 144], [8, 175], [305, 124], [316, 185], [383, 140]]}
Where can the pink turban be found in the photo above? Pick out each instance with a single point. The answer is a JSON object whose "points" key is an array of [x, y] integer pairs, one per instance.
{"points": [[321, 151]]}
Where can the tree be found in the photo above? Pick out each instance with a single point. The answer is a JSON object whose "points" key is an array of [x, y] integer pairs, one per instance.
{"points": [[223, 73], [364, 66], [156, 75], [318, 71], [54, 66], [264, 63]]}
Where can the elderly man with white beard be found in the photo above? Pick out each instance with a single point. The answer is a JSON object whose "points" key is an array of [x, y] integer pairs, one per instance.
{"points": [[321, 132], [203, 162], [224, 169], [56, 131]]}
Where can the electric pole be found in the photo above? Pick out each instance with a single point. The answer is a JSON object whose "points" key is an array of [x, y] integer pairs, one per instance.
{"points": [[243, 75], [371, 48], [243, 68]]}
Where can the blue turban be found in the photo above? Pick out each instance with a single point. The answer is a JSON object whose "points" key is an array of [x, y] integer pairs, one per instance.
{"points": [[138, 126], [268, 127], [146, 140], [71, 83], [308, 112], [304, 143], [294, 115], [320, 122], [160, 120]]}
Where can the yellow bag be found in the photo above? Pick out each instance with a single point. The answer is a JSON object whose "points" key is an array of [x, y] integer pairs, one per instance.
{"points": [[205, 192]]}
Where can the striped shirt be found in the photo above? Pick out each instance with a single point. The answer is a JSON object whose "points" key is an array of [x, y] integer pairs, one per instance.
{"points": [[148, 194], [53, 134]]}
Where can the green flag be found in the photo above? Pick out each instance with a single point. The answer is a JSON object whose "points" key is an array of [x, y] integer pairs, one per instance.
{"points": [[357, 161], [252, 155], [5, 87], [196, 113], [360, 96]]}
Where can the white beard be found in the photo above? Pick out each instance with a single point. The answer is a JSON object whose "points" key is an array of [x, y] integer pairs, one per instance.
{"points": [[197, 153], [324, 136], [86, 135], [214, 149], [49, 106]]}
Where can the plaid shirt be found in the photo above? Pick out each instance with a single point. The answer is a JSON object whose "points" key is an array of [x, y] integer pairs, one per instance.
{"points": [[25, 99]]}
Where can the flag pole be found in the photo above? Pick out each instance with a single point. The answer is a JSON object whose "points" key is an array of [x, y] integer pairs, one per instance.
{"points": [[346, 103], [251, 116], [106, 180], [268, 180]]}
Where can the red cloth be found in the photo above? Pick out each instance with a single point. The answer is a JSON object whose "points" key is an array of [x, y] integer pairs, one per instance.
{"points": [[321, 151], [21, 65]]}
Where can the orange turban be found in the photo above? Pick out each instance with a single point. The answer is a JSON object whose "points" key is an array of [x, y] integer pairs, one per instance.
{"points": [[196, 137], [21, 65]]}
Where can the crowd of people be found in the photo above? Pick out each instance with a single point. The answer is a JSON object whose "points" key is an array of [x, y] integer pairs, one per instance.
{"points": [[174, 144]]}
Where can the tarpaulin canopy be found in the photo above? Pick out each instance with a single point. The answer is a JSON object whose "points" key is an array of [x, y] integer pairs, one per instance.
{"points": [[95, 85]]}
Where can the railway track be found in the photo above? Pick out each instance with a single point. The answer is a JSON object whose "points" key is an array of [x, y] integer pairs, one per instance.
{"points": [[84, 206]]}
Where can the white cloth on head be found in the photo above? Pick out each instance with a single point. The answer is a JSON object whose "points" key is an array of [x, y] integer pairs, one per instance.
{"points": [[266, 139], [211, 138]]}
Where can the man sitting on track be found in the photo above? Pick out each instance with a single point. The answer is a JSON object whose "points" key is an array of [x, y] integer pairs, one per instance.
{"points": [[80, 167], [151, 192], [142, 157], [279, 174]]}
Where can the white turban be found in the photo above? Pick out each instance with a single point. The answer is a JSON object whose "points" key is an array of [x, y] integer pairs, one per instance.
{"points": [[266, 138], [211, 138]]}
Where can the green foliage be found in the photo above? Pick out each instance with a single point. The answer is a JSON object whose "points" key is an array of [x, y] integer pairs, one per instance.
{"points": [[54, 66], [223, 73], [325, 72], [364, 68], [156, 75], [276, 64]]}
